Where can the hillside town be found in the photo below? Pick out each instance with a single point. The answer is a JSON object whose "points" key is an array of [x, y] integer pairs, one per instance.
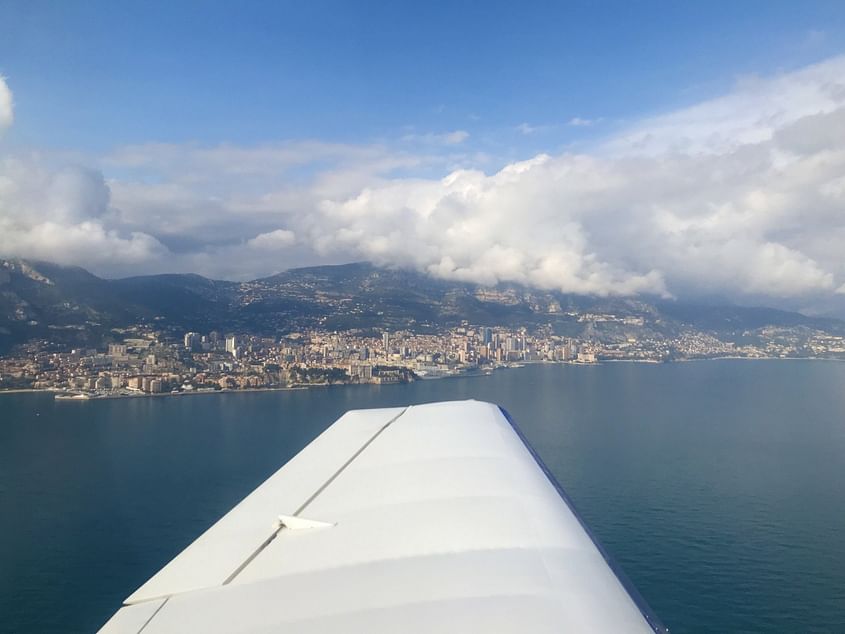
{"points": [[147, 361]]}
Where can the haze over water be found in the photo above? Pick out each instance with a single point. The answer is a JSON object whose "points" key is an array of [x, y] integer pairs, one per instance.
{"points": [[717, 485]]}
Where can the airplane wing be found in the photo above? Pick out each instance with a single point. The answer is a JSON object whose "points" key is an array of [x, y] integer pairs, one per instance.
{"points": [[430, 518]]}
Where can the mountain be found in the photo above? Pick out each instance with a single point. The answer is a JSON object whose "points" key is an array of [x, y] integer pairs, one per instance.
{"points": [[70, 306]]}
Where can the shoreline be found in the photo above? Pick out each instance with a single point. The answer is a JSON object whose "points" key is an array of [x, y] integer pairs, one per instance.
{"points": [[474, 373], [104, 397]]}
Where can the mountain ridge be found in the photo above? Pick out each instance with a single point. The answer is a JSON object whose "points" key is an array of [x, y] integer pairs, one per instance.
{"points": [[70, 306]]}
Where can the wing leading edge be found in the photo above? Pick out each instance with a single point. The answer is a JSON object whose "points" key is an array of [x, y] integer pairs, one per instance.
{"points": [[435, 517]]}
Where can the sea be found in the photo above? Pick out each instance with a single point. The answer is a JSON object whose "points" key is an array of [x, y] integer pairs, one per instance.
{"points": [[717, 486]]}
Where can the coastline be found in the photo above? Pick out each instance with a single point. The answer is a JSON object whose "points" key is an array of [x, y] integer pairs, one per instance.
{"points": [[473, 373], [103, 397]]}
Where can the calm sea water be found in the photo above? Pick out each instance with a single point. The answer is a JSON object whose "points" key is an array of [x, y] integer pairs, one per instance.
{"points": [[718, 486]]}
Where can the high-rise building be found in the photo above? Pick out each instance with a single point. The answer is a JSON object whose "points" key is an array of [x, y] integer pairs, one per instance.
{"points": [[385, 342], [192, 341]]}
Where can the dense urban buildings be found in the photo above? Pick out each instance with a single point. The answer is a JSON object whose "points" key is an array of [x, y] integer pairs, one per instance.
{"points": [[149, 361]]}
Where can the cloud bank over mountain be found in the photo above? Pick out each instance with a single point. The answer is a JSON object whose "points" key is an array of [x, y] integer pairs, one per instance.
{"points": [[742, 195]]}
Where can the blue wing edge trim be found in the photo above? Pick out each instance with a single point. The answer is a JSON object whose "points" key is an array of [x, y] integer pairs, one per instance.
{"points": [[632, 591]]}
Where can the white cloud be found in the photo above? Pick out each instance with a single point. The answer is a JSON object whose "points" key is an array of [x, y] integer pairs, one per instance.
{"points": [[590, 225], [458, 136], [577, 122], [85, 242], [62, 215], [455, 137], [751, 113], [6, 104], [273, 240], [739, 195]]}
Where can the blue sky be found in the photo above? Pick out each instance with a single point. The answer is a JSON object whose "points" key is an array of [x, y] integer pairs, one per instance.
{"points": [[672, 148], [92, 75]]}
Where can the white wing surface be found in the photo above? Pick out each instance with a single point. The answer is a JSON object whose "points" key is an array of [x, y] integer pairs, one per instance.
{"points": [[431, 518]]}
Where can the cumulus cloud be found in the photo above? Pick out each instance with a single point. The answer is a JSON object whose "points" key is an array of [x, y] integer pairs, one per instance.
{"points": [[61, 214], [741, 195], [272, 240], [589, 225], [87, 242], [6, 104], [510, 226]]}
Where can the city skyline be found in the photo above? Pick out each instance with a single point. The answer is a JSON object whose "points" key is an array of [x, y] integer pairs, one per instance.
{"points": [[84, 337]]}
